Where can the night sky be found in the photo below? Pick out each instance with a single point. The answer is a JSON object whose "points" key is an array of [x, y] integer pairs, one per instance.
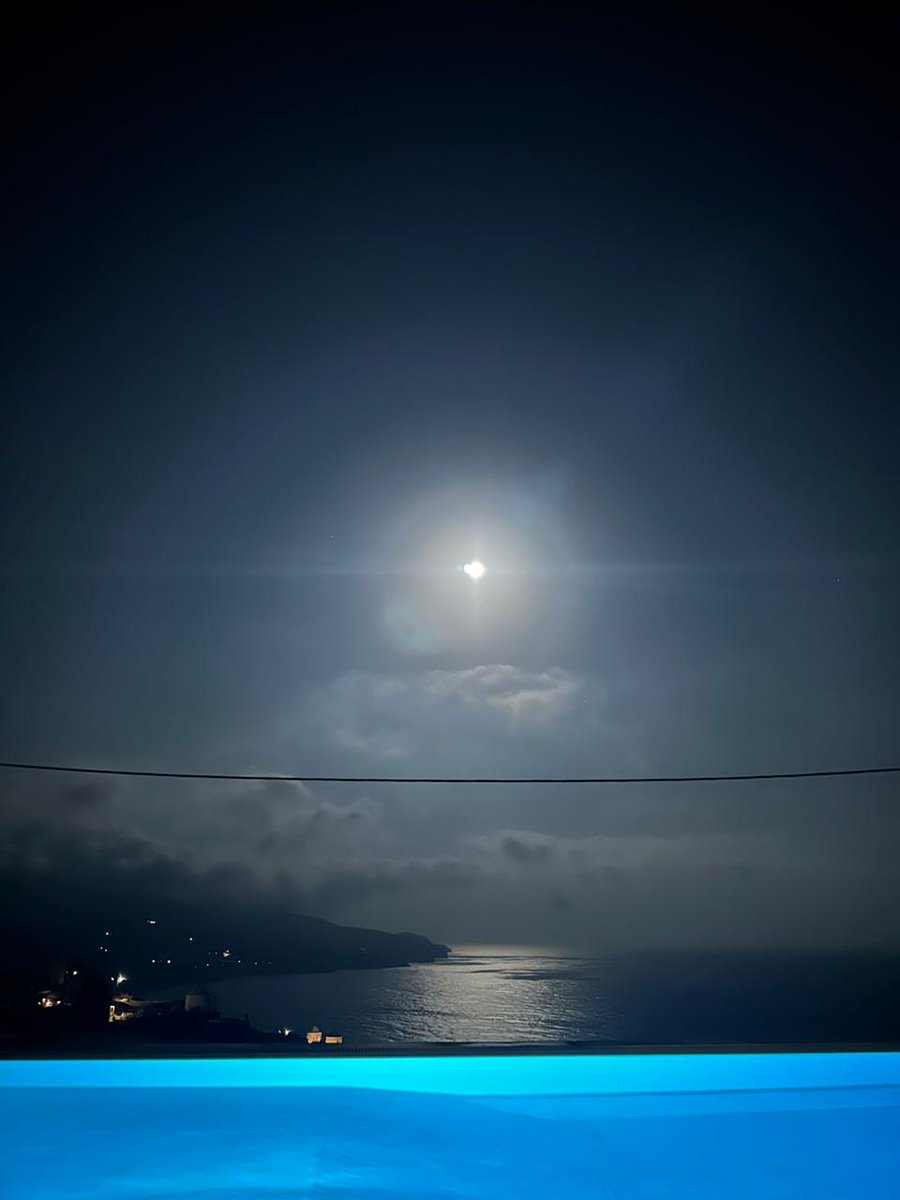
{"points": [[308, 309]]}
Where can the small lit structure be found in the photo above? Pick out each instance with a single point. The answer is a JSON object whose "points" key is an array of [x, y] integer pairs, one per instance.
{"points": [[49, 1000], [197, 1000], [316, 1037], [118, 1013], [125, 1007]]}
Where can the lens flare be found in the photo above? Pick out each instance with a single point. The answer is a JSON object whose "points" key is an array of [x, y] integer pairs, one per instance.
{"points": [[474, 569]]}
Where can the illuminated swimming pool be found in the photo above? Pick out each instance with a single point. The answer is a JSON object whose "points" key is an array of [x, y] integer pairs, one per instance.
{"points": [[623, 1125]]}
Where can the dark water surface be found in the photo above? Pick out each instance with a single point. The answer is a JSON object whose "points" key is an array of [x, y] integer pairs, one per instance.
{"points": [[539, 994]]}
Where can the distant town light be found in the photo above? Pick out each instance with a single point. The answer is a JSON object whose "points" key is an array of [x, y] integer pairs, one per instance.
{"points": [[226, 954], [151, 921], [120, 978]]}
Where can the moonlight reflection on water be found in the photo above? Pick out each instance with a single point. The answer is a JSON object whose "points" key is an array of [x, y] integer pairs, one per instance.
{"points": [[480, 994]]}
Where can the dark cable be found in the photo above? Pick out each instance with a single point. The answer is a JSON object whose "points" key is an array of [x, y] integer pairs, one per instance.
{"points": [[453, 779]]}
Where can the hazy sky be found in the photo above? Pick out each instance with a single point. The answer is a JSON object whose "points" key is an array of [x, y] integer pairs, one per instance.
{"points": [[308, 312]]}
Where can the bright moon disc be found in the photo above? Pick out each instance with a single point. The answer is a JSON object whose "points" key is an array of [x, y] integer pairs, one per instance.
{"points": [[474, 569]]}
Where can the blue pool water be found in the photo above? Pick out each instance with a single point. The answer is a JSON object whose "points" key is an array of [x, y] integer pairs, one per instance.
{"points": [[649, 1125]]}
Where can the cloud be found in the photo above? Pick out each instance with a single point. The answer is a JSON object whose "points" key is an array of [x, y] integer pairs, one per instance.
{"points": [[528, 848], [524, 695], [691, 890], [612, 857], [263, 828], [315, 826], [474, 865], [86, 795], [411, 880], [391, 717], [39, 797], [380, 743]]}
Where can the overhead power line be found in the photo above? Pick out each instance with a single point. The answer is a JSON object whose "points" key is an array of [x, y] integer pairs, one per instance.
{"points": [[759, 775]]}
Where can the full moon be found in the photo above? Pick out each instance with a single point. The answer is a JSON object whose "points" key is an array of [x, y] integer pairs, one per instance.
{"points": [[474, 569]]}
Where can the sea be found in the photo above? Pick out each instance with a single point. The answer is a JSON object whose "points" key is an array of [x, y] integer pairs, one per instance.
{"points": [[539, 994]]}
